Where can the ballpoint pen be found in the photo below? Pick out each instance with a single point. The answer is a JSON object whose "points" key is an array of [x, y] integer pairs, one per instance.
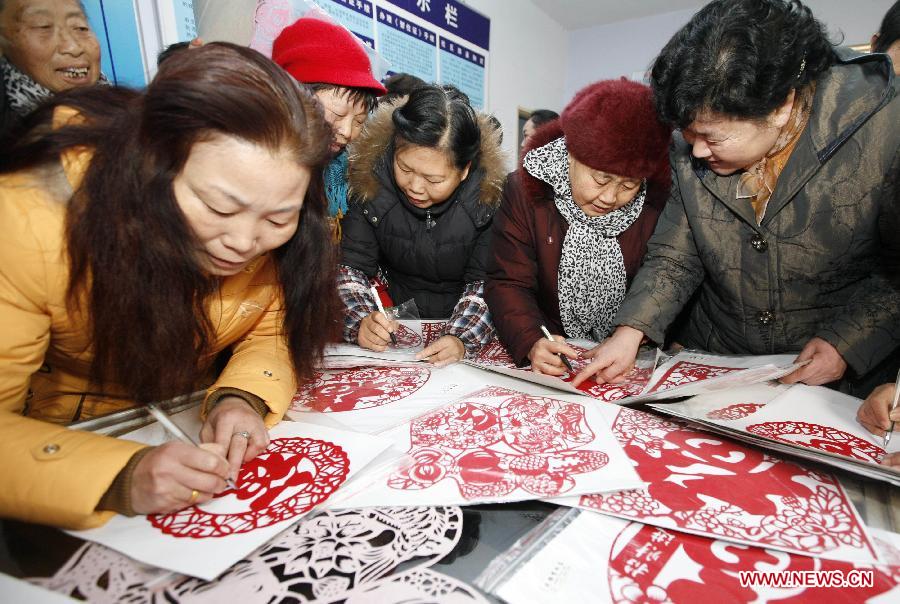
{"points": [[887, 435], [381, 310], [177, 432], [561, 356]]}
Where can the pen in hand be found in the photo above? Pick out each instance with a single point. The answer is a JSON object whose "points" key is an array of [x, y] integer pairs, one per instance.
{"points": [[887, 435], [177, 432], [561, 356], [381, 310]]}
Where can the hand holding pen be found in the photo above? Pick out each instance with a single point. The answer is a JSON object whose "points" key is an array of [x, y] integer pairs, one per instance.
{"points": [[551, 357], [381, 310], [177, 474]]}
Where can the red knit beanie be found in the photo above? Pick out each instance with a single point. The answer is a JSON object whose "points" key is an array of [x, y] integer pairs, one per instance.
{"points": [[313, 50], [613, 126]]}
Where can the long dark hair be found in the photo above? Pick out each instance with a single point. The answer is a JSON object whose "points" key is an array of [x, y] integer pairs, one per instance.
{"points": [[889, 32], [131, 251], [739, 58], [439, 117]]}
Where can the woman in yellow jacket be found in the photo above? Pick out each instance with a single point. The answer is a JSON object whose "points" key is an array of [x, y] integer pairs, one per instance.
{"points": [[144, 234]]}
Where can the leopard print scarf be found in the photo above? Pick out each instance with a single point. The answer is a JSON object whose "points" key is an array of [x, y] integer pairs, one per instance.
{"points": [[22, 93], [591, 273]]}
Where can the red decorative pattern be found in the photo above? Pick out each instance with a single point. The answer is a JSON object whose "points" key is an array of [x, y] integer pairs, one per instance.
{"points": [[406, 337], [701, 483], [470, 442], [432, 330], [650, 565], [493, 353], [733, 412], [362, 388], [686, 372], [290, 477], [823, 438]]}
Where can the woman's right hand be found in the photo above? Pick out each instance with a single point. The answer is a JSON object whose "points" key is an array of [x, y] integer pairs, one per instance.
{"points": [[165, 479], [375, 332], [613, 358], [544, 356]]}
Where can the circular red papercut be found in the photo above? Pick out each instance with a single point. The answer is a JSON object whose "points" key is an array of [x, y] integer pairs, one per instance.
{"points": [[361, 388], [819, 437], [406, 337], [733, 412], [290, 477]]}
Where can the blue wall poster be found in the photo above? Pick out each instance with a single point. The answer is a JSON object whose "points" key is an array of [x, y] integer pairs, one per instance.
{"points": [[409, 47]]}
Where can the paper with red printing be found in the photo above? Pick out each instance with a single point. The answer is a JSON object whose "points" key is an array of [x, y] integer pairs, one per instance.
{"points": [[494, 357], [410, 341], [498, 445], [301, 468], [810, 422], [597, 558], [707, 485], [373, 399]]}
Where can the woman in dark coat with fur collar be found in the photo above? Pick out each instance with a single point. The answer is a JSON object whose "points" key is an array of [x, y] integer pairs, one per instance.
{"points": [[425, 180], [575, 220]]}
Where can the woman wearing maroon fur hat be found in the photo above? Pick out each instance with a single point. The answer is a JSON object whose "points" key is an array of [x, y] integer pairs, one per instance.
{"points": [[574, 221]]}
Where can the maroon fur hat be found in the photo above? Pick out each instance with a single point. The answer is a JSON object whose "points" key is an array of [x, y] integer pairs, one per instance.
{"points": [[313, 50], [613, 126]]}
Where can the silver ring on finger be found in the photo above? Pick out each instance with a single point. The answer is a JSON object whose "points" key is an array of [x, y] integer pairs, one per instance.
{"points": [[242, 434]]}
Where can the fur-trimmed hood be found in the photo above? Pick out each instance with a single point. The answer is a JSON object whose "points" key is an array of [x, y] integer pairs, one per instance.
{"points": [[368, 157]]}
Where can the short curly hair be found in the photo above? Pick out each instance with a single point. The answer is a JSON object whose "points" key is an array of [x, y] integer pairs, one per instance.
{"points": [[739, 58]]}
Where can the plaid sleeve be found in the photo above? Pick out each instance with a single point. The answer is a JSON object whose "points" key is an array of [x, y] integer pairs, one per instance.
{"points": [[471, 320], [353, 288]]}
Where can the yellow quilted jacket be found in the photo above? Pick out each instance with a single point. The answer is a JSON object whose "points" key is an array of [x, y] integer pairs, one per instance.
{"points": [[54, 475]]}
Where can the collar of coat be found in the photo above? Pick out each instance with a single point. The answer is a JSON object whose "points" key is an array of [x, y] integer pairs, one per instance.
{"points": [[369, 157]]}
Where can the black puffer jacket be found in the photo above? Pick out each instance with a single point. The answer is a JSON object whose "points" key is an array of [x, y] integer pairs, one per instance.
{"points": [[383, 230]]}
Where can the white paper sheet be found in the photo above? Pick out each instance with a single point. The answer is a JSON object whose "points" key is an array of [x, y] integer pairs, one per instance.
{"points": [[373, 399], [711, 486], [301, 468], [814, 423], [409, 342], [602, 559], [498, 445]]}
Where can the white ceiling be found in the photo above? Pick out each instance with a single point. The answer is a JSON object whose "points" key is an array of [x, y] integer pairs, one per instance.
{"points": [[576, 14]]}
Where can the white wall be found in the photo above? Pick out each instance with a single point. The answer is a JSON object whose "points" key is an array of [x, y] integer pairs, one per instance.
{"points": [[617, 49], [529, 54]]}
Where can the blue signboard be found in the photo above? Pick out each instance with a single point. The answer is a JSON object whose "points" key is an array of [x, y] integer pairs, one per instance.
{"points": [[355, 15], [464, 68], [409, 47], [452, 16], [115, 25]]}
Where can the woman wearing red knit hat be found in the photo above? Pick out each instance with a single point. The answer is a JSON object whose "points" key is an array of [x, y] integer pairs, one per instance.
{"points": [[575, 220], [333, 64]]}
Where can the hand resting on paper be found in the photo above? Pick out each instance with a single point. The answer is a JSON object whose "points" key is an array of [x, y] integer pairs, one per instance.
{"points": [[165, 479], [825, 365], [876, 416], [613, 358], [375, 332], [544, 356], [228, 425], [444, 351]]}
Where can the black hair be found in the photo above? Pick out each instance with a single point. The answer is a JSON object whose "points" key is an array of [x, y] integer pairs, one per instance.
{"points": [[400, 84], [739, 58], [439, 117], [366, 96], [889, 32], [539, 117], [171, 49]]}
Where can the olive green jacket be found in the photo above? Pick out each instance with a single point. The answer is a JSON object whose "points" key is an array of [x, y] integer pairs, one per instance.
{"points": [[824, 261]]}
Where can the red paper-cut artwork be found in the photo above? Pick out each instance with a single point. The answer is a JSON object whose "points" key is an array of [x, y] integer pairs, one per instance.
{"points": [[432, 330], [361, 388], [733, 412], [700, 483], [651, 566], [406, 337], [686, 372], [528, 442], [289, 478], [493, 353], [823, 438]]}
